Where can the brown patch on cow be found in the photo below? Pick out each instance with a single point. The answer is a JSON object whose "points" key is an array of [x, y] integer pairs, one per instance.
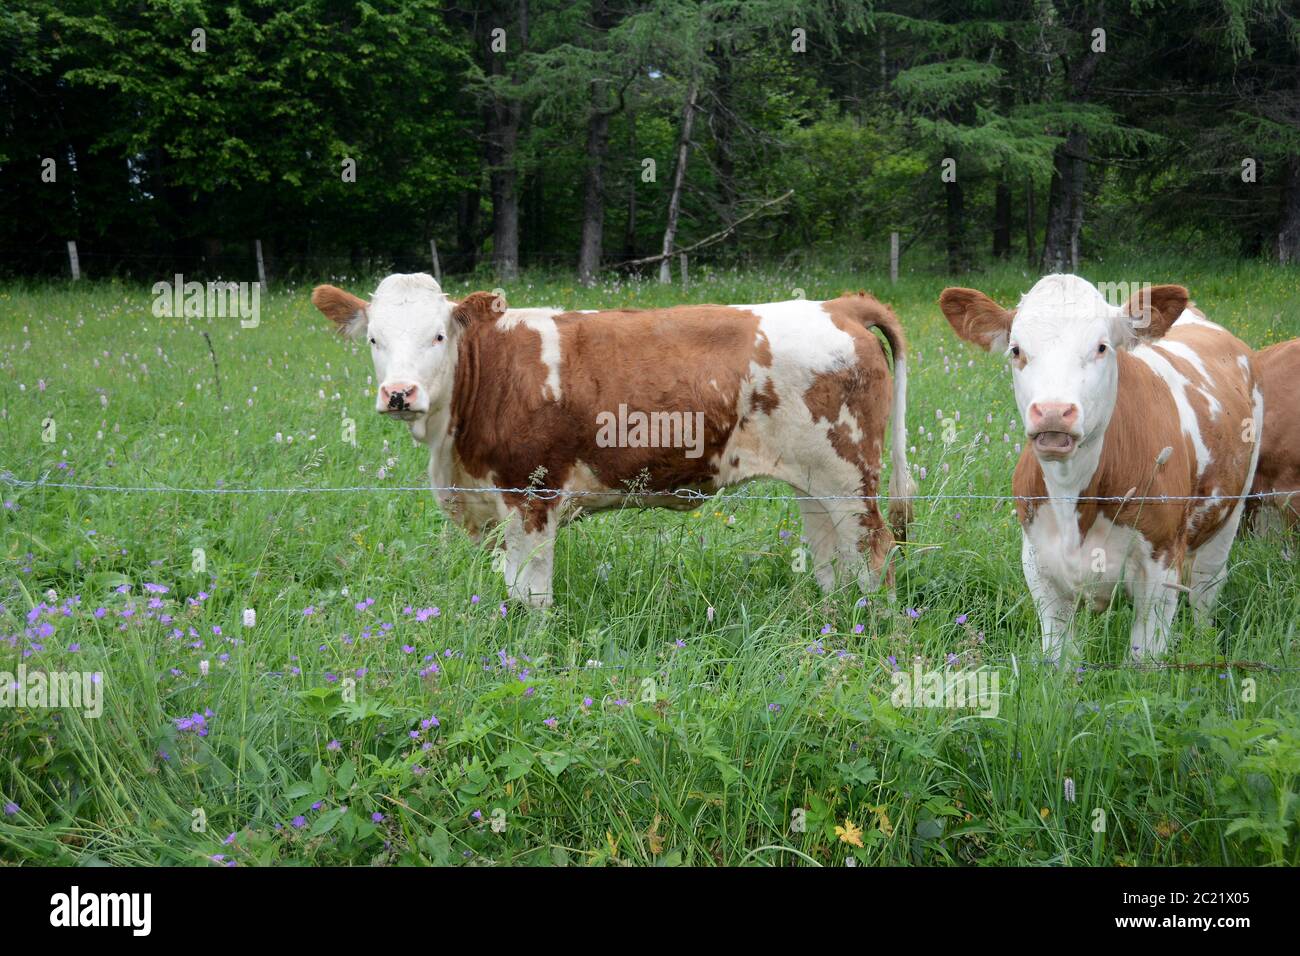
{"points": [[762, 350], [1278, 368], [764, 399], [1145, 421], [683, 361]]}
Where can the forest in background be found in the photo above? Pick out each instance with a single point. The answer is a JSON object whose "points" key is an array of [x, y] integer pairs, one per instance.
{"points": [[167, 135]]}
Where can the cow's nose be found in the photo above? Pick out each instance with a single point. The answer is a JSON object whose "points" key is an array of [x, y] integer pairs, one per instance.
{"points": [[399, 396], [1053, 416]]}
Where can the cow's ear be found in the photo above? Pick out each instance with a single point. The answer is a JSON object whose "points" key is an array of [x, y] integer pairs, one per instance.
{"points": [[479, 307], [977, 318], [345, 310], [1151, 311]]}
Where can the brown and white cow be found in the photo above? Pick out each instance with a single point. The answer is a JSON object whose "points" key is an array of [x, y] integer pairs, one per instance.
{"points": [[1278, 475], [1140, 401], [694, 397]]}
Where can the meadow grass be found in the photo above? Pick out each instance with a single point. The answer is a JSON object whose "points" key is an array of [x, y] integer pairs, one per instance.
{"points": [[692, 698]]}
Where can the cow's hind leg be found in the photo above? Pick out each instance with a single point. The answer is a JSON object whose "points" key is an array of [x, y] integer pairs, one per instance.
{"points": [[1210, 569], [847, 536]]}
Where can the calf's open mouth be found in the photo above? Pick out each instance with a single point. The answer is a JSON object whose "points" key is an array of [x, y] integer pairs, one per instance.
{"points": [[1054, 443]]}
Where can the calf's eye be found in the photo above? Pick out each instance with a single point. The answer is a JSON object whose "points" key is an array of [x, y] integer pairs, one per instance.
{"points": [[1101, 348], [439, 337]]}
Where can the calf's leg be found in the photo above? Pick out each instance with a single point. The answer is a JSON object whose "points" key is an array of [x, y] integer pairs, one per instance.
{"points": [[529, 558]]}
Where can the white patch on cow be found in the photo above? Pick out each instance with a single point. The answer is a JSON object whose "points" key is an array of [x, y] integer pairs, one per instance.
{"points": [[802, 334], [1178, 385], [1191, 318], [542, 322], [1184, 351]]}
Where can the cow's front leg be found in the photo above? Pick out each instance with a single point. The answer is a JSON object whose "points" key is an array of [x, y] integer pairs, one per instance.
{"points": [[1155, 603], [1055, 609], [529, 557]]}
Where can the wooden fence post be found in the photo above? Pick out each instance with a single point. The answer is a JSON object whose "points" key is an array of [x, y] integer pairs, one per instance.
{"points": [[893, 258], [261, 265], [437, 267], [686, 280], [73, 261]]}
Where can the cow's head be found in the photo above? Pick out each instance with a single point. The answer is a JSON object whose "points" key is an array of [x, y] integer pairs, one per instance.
{"points": [[414, 331], [1061, 341]]}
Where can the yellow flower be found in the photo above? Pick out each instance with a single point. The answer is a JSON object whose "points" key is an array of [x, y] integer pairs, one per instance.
{"points": [[1045, 813], [849, 833], [882, 820]]}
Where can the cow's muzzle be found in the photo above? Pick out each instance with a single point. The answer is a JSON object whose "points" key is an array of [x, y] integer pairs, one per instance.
{"points": [[403, 400], [1054, 428]]}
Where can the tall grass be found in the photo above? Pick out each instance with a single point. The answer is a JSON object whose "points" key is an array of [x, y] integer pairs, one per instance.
{"points": [[692, 698]]}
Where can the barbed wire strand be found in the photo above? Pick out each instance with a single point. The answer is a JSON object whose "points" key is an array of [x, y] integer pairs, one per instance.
{"points": [[689, 494]]}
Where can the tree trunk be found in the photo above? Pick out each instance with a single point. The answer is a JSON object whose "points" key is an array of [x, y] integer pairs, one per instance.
{"points": [[1002, 220], [504, 119], [679, 179], [1031, 227], [1288, 233], [503, 135], [1065, 203], [1065, 198], [629, 230], [955, 205], [593, 198], [467, 237]]}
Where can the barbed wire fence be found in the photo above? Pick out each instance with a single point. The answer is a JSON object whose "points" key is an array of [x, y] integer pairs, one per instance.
{"points": [[8, 478], [630, 494]]}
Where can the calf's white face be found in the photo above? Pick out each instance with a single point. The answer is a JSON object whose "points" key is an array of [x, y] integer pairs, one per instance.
{"points": [[1061, 342], [412, 330]]}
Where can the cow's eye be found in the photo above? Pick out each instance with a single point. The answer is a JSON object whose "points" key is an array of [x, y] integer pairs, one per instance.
{"points": [[1101, 348], [439, 337], [372, 340], [1015, 351]]}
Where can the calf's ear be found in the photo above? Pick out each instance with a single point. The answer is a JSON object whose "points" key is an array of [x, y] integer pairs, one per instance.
{"points": [[345, 310], [1151, 310], [478, 307], [977, 318]]}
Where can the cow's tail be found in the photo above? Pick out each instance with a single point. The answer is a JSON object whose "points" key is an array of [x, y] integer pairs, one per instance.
{"points": [[902, 487]]}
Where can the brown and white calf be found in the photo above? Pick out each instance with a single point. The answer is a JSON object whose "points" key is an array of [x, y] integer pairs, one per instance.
{"points": [[1145, 400], [1278, 475], [695, 397]]}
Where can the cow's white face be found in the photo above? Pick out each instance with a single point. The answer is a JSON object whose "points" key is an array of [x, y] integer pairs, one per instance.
{"points": [[1061, 346], [412, 344], [410, 326], [1061, 342]]}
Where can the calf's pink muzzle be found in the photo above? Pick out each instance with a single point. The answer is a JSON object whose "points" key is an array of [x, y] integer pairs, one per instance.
{"points": [[1054, 428]]}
